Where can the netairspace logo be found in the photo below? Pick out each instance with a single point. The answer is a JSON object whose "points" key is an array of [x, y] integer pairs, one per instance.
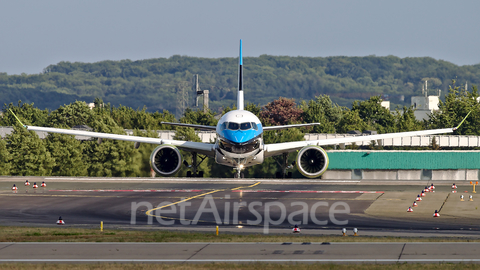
{"points": [[274, 213]]}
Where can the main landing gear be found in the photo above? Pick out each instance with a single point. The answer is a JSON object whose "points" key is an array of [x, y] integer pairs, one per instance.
{"points": [[283, 162], [194, 166]]}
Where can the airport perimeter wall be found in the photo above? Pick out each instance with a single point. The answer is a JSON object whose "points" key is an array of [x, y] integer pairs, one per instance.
{"points": [[403, 165]]}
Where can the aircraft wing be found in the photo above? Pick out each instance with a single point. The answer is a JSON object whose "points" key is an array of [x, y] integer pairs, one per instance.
{"points": [[190, 125], [201, 148], [290, 126], [279, 148]]}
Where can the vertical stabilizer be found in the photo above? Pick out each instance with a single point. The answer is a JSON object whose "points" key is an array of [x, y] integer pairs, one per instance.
{"points": [[240, 81]]}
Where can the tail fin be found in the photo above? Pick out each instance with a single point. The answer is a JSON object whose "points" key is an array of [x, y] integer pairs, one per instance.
{"points": [[240, 81]]}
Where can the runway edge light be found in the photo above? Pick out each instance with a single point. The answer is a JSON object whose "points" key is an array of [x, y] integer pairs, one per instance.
{"points": [[60, 221]]}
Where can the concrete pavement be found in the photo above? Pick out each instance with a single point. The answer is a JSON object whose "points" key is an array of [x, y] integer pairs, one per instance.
{"points": [[241, 252]]}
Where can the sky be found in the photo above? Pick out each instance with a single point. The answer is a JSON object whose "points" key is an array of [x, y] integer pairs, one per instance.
{"points": [[35, 34]]}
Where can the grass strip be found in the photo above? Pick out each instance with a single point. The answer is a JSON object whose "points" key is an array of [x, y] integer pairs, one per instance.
{"points": [[69, 234]]}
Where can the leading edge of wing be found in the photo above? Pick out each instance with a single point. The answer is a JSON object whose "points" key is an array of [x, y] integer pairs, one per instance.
{"points": [[278, 148], [204, 148], [190, 125]]}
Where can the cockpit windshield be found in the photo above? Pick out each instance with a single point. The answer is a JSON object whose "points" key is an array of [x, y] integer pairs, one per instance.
{"points": [[233, 126], [245, 126], [237, 126]]}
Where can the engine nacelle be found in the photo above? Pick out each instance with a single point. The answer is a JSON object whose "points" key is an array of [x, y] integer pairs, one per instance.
{"points": [[166, 160], [312, 161]]}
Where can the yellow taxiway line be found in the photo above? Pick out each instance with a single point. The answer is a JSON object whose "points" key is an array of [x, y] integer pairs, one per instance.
{"points": [[149, 212]]}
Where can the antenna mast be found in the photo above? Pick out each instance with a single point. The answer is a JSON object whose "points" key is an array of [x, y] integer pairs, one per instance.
{"points": [[182, 98], [200, 92]]}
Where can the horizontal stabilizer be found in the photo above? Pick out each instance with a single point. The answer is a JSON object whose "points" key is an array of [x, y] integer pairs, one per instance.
{"points": [[290, 126], [190, 125]]}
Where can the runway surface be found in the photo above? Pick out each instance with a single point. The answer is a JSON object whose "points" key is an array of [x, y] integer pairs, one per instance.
{"points": [[241, 252], [251, 203], [249, 206]]}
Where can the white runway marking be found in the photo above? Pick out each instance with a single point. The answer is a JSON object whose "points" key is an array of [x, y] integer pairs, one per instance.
{"points": [[308, 191]]}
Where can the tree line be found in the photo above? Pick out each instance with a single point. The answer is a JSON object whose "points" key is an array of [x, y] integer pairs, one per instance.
{"points": [[157, 83], [23, 153]]}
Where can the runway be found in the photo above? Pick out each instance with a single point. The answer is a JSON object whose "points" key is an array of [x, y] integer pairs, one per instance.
{"points": [[241, 252], [250, 206], [251, 203]]}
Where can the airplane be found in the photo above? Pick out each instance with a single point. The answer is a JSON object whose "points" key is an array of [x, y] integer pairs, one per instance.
{"points": [[239, 143]]}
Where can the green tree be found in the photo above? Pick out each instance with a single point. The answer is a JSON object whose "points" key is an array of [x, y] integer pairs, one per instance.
{"points": [[29, 153], [68, 155], [112, 158], [199, 117], [458, 103], [255, 109], [322, 110], [406, 120], [5, 158], [373, 113], [77, 113], [351, 120], [28, 114]]}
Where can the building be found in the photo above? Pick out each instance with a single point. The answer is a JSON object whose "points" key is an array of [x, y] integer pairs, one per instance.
{"points": [[424, 105]]}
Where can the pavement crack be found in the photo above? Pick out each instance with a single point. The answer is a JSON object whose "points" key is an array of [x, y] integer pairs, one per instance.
{"points": [[7, 246], [401, 252], [196, 253], [444, 202]]}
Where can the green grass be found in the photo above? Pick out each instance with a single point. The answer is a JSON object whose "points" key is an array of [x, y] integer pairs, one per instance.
{"points": [[68, 234]]}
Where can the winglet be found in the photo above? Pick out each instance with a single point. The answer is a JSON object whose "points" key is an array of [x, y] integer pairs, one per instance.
{"points": [[17, 119], [455, 128]]}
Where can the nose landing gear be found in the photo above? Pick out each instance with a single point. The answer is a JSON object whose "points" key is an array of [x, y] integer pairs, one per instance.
{"points": [[239, 168]]}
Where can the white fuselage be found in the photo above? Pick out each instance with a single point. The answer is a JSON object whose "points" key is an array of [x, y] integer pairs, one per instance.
{"points": [[239, 139]]}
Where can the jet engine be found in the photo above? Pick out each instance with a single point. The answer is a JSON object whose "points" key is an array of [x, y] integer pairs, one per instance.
{"points": [[312, 161], [166, 160]]}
